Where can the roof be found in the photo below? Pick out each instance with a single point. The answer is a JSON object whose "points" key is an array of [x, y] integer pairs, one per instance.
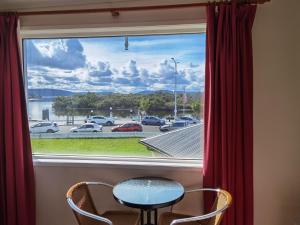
{"points": [[182, 143]]}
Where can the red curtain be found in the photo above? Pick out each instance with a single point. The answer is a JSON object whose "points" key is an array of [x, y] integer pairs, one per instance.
{"points": [[228, 158], [17, 194]]}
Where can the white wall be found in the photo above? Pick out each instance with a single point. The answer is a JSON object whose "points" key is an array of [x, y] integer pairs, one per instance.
{"points": [[277, 113], [276, 121], [52, 183]]}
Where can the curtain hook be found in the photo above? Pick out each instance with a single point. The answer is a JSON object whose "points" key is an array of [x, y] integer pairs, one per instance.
{"points": [[115, 13]]}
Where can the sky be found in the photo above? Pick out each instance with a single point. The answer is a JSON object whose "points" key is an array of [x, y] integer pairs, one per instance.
{"points": [[102, 64]]}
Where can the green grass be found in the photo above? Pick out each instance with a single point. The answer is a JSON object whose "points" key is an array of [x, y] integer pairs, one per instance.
{"points": [[104, 146]]}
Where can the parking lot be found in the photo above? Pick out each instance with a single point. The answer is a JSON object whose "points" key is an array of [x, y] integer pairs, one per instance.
{"points": [[66, 128], [63, 128]]}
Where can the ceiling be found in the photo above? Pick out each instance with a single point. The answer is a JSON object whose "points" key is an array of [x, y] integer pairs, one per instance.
{"points": [[31, 5]]}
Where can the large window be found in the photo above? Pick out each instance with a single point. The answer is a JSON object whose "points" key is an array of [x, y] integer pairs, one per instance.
{"points": [[119, 96]]}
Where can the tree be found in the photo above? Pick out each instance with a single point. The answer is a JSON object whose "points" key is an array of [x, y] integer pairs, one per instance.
{"points": [[62, 106], [145, 104], [157, 103], [195, 106]]}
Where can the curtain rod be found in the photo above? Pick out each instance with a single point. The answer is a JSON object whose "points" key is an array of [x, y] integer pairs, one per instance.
{"points": [[115, 11]]}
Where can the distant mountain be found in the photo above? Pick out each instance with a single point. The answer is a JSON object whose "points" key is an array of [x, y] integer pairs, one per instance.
{"points": [[44, 92], [51, 93], [100, 92], [146, 92]]}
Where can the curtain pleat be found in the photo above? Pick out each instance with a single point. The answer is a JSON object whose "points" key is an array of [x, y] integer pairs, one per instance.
{"points": [[228, 117], [17, 191]]}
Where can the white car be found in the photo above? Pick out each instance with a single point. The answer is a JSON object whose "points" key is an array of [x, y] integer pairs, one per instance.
{"points": [[188, 119], [44, 127], [87, 127], [101, 120]]}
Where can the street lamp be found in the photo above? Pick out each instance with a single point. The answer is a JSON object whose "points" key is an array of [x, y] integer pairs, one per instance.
{"points": [[110, 112], [175, 87]]}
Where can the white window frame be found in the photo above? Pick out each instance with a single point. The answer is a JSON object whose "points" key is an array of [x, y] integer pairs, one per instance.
{"points": [[94, 161]]}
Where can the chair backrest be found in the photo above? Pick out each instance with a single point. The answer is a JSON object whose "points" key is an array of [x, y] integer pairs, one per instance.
{"points": [[83, 207], [222, 202]]}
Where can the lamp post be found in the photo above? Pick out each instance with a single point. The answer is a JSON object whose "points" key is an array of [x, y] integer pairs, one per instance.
{"points": [[110, 112], [175, 87]]}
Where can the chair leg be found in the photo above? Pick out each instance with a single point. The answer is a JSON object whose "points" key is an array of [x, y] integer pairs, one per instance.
{"points": [[155, 216], [148, 217]]}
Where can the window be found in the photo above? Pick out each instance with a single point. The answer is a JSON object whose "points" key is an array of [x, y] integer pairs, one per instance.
{"points": [[116, 96]]}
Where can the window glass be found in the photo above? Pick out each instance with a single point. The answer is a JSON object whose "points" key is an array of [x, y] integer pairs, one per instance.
{"points": [[115, 82]]}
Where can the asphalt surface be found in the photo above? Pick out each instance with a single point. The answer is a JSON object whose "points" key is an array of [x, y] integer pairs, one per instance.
{"points": [[66, 128]]}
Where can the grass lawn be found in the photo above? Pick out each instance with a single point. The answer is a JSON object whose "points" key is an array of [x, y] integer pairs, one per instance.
{"points": [[103, 146]]}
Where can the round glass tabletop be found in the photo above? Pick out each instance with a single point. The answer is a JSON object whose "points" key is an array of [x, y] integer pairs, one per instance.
{"points": [[148, 192]]}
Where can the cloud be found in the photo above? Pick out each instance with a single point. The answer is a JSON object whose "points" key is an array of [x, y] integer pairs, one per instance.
{"points": [[101, 70], [130, 70], [65, 54], [101, 74], [75, 64], [123, 81], [129, 75], [166, 75], [74, 80], [192, 65], [129, 78]]}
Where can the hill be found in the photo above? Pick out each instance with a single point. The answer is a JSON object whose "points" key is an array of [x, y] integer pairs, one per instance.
{"points": [[44, 92]]}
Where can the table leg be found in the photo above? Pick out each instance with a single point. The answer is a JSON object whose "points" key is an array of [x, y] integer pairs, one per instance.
{"points": [[155, 216], [142, 217], [149, 215]]}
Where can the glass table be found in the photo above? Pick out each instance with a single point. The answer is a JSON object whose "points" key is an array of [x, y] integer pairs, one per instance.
{"points": [[148, 194]]}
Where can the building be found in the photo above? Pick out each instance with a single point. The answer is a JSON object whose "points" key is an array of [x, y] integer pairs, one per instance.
{"points": [[182, 143]]}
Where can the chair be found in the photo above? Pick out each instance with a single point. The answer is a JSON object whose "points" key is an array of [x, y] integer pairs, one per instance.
{"points": [[81, 202], [222, 202]]}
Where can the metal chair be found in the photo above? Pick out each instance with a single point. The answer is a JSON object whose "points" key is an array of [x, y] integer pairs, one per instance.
{"points": [[81, 202], [222, 202]]}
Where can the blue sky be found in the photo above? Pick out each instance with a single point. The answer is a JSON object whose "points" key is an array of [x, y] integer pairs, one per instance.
{"points": [[103, 64]]}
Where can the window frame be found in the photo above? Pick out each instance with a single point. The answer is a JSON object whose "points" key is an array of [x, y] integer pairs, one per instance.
{"points": [[79, 160]]}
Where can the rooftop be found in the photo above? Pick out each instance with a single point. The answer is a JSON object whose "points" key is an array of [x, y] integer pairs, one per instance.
{"points": [[182, 143]]}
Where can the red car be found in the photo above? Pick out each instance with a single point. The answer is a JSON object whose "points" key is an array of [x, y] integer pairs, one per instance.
{"points": [[127, 127]]}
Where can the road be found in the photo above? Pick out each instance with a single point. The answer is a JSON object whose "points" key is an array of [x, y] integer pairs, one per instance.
{"points": [[66, 128], [63, 128]]}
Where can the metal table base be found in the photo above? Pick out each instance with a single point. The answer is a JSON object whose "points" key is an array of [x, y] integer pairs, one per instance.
{"points": [[149, 214]]}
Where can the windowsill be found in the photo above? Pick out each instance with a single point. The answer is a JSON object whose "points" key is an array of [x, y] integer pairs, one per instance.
{"points": [[119, 162]]}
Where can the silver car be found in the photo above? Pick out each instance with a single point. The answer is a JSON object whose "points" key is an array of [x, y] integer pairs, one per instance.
{"points": [[101, 120], [173, 126], [87, 127], [44, 127], [188, 119]]}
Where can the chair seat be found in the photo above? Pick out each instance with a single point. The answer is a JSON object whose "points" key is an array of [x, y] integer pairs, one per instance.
{"points": [[122, 217], [167, 217]]}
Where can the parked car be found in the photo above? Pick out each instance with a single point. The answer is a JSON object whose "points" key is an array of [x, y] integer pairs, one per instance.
{"points": [[188, 119], [101, 120], [173, 126], [152, 120], [127, 127], [87, 127], [44, 127]]}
